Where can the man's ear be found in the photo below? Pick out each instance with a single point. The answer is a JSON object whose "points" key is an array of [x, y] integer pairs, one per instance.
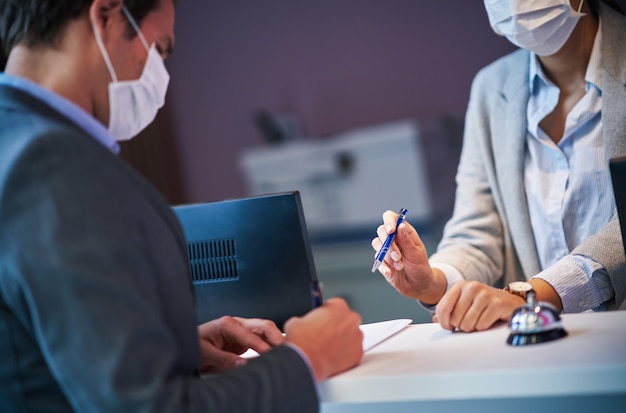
{"points": [[102, 13]]}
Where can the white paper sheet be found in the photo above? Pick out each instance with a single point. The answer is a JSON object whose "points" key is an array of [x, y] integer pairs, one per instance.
{"points": [[375, 333]]}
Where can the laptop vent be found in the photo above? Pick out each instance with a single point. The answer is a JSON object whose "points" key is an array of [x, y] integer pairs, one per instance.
{"points": [[213, 261]]}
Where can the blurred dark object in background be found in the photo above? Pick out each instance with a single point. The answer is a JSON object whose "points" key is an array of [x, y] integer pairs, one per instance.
{"points": [[279, 127]]}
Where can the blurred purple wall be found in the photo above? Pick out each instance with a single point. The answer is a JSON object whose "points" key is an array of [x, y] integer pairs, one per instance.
{"points": [[337, 64]]}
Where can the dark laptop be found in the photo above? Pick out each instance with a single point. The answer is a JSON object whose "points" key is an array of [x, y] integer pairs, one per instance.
{"points": [[250, 257], [618, 176]]}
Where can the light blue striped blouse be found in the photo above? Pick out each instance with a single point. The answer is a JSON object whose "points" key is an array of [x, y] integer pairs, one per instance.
{"points": [[568, 188]]}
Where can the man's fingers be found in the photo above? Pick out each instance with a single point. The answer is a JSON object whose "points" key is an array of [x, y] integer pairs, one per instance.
{"points": [[337, 302], [215, 360], [238, 333], [265, 329]]}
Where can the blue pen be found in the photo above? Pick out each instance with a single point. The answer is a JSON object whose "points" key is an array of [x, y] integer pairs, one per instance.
{"points": [[380, 256]]}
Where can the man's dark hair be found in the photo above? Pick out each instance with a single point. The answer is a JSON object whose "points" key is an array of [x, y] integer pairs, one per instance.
{"points": [[40, 21]]}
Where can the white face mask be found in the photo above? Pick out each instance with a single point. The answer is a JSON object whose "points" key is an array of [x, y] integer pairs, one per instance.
{"points": [[541, 26], [134, 103]]}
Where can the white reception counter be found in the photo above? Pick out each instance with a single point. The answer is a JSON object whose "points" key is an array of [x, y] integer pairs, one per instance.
{"points": [[424, 368]]}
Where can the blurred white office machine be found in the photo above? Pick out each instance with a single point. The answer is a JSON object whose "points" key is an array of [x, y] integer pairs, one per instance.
{"points": [[348, 180]]}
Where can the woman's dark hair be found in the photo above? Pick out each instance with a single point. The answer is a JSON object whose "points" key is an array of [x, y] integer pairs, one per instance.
{"points": [[594, 6], [40, 21]]}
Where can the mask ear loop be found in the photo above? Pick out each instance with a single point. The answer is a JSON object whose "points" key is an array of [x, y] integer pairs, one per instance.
{"points": [[133, 23], [580, 6], [105, 55]]}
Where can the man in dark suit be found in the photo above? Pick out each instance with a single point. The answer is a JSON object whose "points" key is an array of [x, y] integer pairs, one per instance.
{"points": [[96, 305]]}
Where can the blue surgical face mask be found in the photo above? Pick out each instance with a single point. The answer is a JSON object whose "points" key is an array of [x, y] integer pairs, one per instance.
{"points": [[133, 104], [541, 26]]}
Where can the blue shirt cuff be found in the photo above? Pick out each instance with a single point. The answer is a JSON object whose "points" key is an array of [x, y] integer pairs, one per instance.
{"points": [[582, 283]]}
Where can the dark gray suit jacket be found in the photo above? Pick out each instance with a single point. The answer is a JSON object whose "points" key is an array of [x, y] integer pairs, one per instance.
{"points": [[96, 304]]}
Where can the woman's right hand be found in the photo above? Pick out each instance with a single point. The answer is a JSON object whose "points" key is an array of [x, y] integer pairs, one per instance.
{"points": [[406, 265]]}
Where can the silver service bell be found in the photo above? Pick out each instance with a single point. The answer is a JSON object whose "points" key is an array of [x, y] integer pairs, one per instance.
{"points": [[535, 322]]}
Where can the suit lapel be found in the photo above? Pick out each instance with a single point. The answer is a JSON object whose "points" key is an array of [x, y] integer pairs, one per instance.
{"points": [[509, 147]]}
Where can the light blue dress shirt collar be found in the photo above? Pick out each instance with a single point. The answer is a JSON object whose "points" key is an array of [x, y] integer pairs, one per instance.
{"points": [[65, 107]]}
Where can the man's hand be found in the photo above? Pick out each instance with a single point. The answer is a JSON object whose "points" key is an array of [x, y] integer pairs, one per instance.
{"points": [[330, 337], [224, 339]]}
